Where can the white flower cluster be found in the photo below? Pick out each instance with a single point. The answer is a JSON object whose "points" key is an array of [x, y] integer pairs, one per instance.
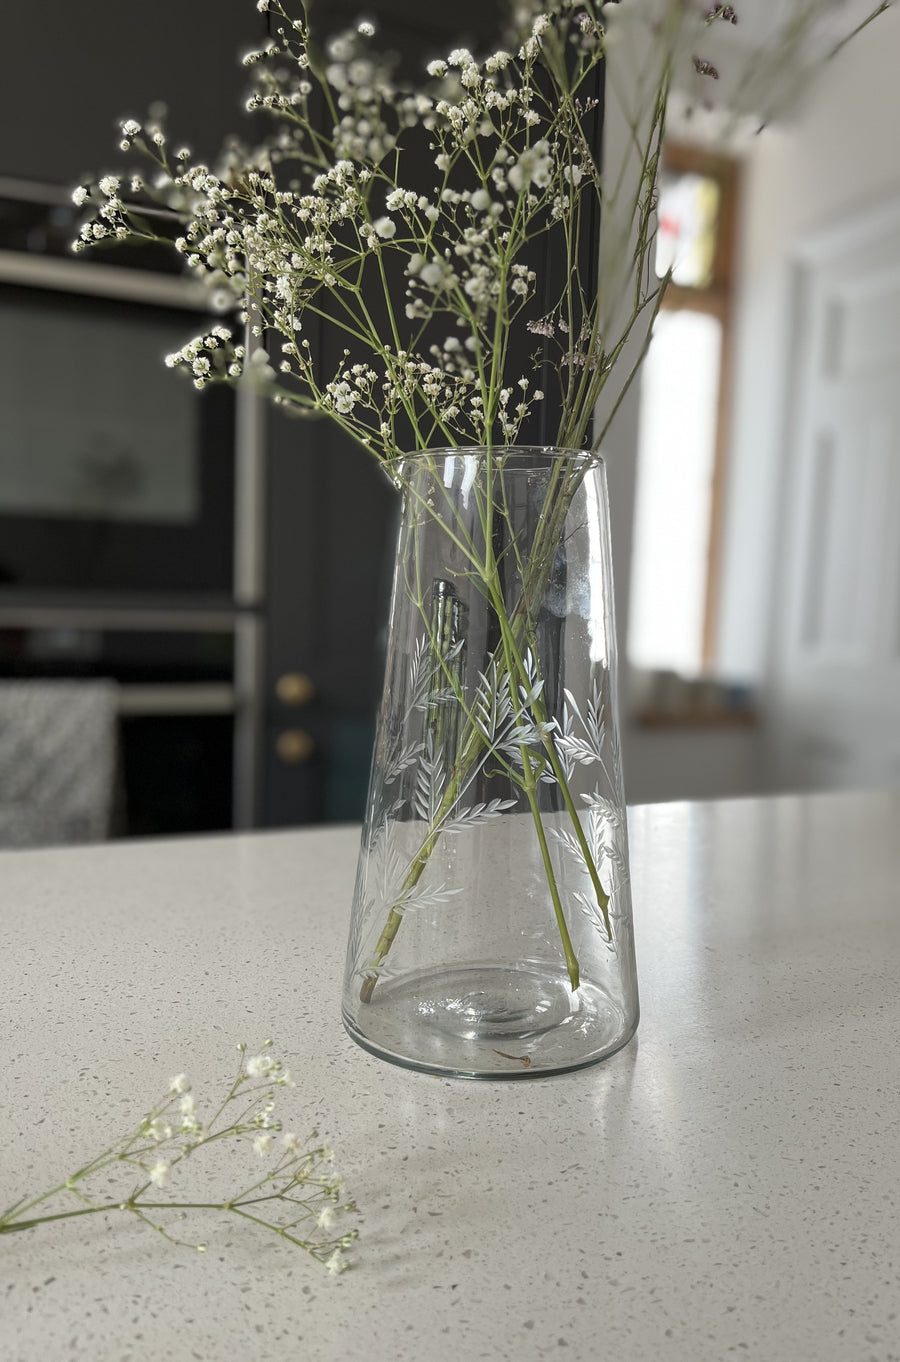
{"points": [[331, 211], [512, 414], [110, 222], [505, 157], [210, 356]]}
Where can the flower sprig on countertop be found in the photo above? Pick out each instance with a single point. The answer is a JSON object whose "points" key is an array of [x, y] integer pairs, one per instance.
{"points": [[295, 1194]]}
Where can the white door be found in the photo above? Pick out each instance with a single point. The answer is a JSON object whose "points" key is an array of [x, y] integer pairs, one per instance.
{"points": [[834, 701]]}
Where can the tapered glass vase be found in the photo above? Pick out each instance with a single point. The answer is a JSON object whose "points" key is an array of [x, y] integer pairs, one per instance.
{"points": [[491, 934]]}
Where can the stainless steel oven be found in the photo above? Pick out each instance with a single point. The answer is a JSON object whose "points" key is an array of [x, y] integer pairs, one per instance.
{"points": [[130, 514]]}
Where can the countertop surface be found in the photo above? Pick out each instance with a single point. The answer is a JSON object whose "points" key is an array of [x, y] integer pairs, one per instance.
{"points": [[726, 1186]]}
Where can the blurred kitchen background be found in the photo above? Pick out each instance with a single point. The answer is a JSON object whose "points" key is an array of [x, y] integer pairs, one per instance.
{"points": [[210, 581]]}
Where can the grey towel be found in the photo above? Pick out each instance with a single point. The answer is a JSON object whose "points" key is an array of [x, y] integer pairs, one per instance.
{"points": [[57, 761]]}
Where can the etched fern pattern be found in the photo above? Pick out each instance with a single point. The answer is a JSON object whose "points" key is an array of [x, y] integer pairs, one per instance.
{"points": [[506, 713], [605, 834], [384, 871], [585, 743]]}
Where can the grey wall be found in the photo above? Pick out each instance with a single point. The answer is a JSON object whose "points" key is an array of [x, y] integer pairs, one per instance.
{"points": [[73, 69], [71, 72]]}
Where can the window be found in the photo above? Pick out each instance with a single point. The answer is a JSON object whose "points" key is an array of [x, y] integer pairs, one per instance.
{"points": [[683, 398]]}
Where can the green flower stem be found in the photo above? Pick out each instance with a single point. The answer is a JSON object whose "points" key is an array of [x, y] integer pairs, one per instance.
{"points": [[10, 1218], [473, 745], [8, 1226], [571, 959], [472, 748], [600, 892], [513, 656], [514, 661], [470, 754], [135, 1207], [540, 713]]}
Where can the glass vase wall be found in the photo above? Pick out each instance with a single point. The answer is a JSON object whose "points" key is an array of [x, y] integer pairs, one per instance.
{"points": [[491, 934]]}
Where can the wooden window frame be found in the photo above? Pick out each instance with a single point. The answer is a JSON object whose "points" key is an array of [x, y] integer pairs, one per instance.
{"points": [[715, 299]]}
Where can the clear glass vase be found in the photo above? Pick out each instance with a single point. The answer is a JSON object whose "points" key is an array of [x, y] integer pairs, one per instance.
{"points": [[491, 934]]}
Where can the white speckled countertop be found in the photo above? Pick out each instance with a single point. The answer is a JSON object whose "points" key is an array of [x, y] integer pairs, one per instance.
{"points": [[725, 1186]]}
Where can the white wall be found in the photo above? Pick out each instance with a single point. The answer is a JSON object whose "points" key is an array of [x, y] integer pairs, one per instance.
{"points": [[839, 157]]}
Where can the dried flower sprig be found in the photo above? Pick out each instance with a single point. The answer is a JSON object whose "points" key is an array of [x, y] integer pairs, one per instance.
{"points": [[299, 1196]]}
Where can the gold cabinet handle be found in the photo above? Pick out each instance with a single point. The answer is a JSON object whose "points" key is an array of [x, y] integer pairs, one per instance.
{"points": [[295, 688], [294, 746]]}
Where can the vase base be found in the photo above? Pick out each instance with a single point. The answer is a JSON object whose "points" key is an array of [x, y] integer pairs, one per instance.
{"points": [[489, 1022]]}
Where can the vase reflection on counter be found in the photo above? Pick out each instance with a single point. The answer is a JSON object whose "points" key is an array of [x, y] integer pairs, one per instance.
{"points": [[491, 934]]}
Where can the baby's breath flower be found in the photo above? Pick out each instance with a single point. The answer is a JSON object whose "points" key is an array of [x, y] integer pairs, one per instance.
{"points": [[327, 1218], [343, 398], [260, 1066], [158, 1173], [263, 1144], [533, 167]]}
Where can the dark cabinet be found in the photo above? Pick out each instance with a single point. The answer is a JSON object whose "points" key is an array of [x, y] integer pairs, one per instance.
{"points": [[281, 733], [329, 518]]}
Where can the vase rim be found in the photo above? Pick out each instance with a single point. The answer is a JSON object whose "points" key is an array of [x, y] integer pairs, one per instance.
{"points": [[501, 451]]}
